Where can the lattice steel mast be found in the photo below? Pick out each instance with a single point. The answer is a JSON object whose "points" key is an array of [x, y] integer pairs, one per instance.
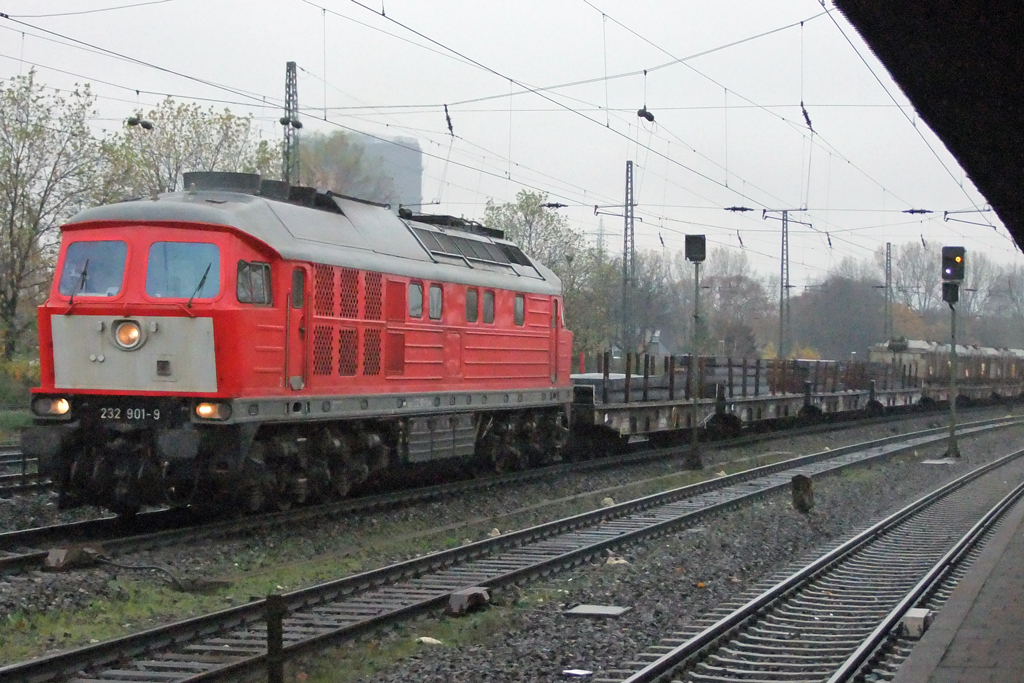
{"points": [[291, 123], [628, 259], [889, 331], [784, 290]]}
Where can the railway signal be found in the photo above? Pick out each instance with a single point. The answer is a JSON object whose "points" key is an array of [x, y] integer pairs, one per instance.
{"points": [[696, 248], [952, 275], [953, 264], [696, 252]]}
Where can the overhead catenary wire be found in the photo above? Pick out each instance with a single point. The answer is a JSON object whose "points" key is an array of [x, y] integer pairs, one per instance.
{"points": [[920, 134], [263, 100], [91, 11]]}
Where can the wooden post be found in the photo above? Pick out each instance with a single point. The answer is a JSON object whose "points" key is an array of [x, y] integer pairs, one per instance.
{"points": [[607, 355], [700, 377], [671, 360], [690, 385], [729, 361], [743, 369], [803, 493], [647, 375], [274, 611], [629, 377], [757, 377]]}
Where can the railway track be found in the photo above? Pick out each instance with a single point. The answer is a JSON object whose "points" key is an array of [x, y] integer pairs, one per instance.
{"points": [[28, 548], [19, 474], [235, 640], [835, 618]]}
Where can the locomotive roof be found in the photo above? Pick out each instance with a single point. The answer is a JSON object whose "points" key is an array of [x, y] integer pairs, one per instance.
{"points": [[355, 235]]}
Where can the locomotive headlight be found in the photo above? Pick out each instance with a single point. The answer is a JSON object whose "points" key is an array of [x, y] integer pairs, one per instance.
{"points": [[213, 411], [48, 406], [128, 334]]}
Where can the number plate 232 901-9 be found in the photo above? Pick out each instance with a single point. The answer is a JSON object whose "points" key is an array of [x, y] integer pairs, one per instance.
{"points": [[130, 414]]}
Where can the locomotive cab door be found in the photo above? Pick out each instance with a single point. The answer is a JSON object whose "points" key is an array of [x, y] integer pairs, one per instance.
{"points": [[298, 321], [553, 351]]}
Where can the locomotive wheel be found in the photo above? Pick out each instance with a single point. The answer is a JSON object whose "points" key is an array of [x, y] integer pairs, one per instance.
{"points": [[251, 496], [508, 458], [278, 492], [559, 431], [125, 511], [500, 449]]}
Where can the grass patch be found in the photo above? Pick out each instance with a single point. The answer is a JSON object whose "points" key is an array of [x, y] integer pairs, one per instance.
{"points": [[358, 660], [133, 608], [139, 603], [12, 422]]}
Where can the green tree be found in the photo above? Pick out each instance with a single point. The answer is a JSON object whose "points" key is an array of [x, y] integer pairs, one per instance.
{"points": [[175, 138], [587, 276], [49, 162], [539, 230], [338, 162], [739, 307]]}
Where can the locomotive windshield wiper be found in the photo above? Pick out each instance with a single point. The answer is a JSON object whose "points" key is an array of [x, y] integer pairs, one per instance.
{"points": [[81, 283], [201, 283]]}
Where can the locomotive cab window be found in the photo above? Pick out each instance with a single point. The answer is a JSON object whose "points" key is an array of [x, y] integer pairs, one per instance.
{"points": [[298, 287], [520, 311], [415, 300], [472, 305], [436, 301], [488, 306], [254, 283], [93, 268], [183, 270]]}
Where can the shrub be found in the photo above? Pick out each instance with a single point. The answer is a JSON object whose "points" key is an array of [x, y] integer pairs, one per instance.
{"points": [[16, 378]]}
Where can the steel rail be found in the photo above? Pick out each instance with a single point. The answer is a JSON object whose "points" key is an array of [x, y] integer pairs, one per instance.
{"points": [[883, 632], [232, 640], [20, 483], [714, 634], [11, 458], [27, 548]]}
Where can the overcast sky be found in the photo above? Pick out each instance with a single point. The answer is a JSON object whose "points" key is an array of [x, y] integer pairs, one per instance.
{"points": [[544, 95]]}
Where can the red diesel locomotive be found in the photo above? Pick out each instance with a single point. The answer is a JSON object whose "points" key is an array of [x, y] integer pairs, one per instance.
{"points": [[251, 344]]}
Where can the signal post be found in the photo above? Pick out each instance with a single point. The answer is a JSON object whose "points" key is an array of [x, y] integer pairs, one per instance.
{"points": [[953, 270], [696, 252]]}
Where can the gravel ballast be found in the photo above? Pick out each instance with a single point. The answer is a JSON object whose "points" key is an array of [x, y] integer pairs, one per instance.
{"points": [[667, 582], [724, 561]]}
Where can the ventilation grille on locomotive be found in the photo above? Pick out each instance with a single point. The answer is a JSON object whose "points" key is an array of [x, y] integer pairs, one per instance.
{"points": [[348, 352], [373, 292], [349, 293], [371, 351], [323, 350], [324, 282]]}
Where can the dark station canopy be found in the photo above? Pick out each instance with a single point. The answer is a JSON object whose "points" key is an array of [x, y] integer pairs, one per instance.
{"points": [[961, 63]]}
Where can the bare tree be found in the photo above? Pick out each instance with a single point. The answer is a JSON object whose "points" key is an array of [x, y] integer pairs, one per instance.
{"points": [[917, 280], [975, 294], [738, 305], [177, 138], [49, 162]]}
